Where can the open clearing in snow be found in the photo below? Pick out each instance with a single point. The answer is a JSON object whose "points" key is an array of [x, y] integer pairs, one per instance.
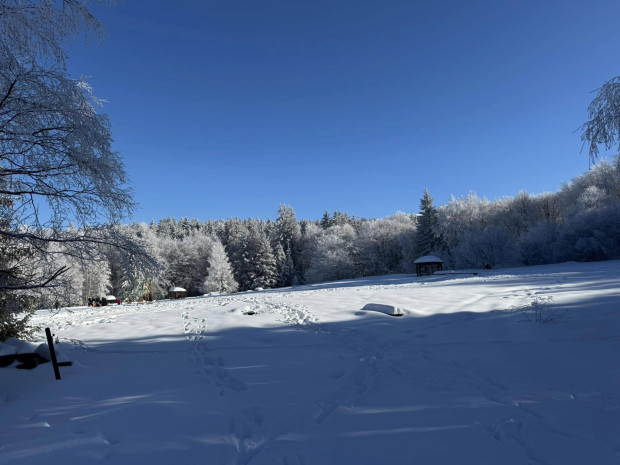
{"points": [[305, 375]]}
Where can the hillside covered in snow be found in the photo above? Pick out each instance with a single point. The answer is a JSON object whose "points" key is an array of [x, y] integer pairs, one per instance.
{"points": [[306, 375]]}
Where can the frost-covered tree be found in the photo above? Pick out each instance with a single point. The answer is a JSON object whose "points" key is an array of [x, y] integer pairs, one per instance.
{"points": [[55, 147], [592, 198], [83, 278], [485, 248], [335, 255], [603, 124], [590, 235], [460, 215], [536, 247], [598, 186], [257, 267], [310, 232], [129, 280], [235, 233], [95, 280], [517, 214], [220, 277], [326, 220], [288, 232], [385, 244], [186, 261]]}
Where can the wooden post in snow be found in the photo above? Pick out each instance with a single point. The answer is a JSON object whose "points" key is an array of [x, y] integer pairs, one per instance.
{"points": [[50, 344]]}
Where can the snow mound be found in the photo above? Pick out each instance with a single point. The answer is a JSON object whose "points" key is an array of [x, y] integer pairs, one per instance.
{"points": [[429, 259], [7, 354], [391, 310], [44, 351], [21, 347]]}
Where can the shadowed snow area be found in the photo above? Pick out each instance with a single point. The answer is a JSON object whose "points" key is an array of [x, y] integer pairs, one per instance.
{"points": [[304, 376]]}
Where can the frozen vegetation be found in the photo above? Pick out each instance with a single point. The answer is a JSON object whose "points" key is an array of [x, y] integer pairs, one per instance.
{"points": [[304, 375], [580, 222]]}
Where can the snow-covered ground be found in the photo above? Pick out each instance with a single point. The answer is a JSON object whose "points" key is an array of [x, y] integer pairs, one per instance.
{"points": [[311, 378]]}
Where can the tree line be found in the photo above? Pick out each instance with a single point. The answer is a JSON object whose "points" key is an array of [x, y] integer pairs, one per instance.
{"points": [[579, 222]]}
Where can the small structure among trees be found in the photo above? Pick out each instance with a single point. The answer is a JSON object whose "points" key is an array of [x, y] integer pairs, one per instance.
{"points": [[427, 265], [177, 293]]}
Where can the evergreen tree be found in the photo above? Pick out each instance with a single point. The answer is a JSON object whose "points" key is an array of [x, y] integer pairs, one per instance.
{"points": [[236, 232], [258, 264], [426, 237], [288, 233], [326, 220], [220, 277]]}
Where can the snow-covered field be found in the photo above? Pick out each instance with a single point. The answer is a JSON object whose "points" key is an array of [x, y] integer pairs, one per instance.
{"points": [[311, 378]]}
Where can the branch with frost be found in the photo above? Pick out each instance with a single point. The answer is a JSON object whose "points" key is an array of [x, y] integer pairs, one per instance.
{"points": [[54, 146], [39, 28], [603, 125]]}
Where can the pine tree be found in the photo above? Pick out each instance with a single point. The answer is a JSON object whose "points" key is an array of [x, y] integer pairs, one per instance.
{"points": [[288, 233], [426, 238], [220, 277], [235, 232], [258, 264], [326, 220]]}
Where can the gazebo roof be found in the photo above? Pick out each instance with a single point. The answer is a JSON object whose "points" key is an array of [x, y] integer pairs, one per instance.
{"points": [[176, 289], [429, 259]]}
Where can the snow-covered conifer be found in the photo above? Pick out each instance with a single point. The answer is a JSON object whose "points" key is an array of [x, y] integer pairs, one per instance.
{"points": [[220, 277]]}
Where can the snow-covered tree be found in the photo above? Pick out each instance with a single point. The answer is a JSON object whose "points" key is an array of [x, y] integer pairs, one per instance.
{"points": [[460, 215], [385, 244], [598, 187], [603, 125], [220, 277], [517, 214], [55, 147], [310, 232], [590, 235], [288, 235], [258, 264], [485, 248], [186, 261], [95, 280], [536, 247], [334, 255]]}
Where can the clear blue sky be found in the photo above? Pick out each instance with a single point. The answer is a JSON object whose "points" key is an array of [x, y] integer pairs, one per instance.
{"points": [[229, 108]]}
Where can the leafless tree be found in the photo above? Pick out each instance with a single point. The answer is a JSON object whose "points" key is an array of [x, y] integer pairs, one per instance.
{"points": [[603, 125], [62, 186]]}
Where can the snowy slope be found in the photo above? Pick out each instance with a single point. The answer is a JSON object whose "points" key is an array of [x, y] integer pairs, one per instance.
{"points": [[311, 378]]}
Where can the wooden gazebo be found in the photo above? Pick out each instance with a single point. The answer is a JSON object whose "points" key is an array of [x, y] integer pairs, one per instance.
{"points": [[177, 293], [427, 265]]}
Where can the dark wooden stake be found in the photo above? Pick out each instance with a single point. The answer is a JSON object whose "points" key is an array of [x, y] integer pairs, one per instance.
{"points": [[50, 344]]}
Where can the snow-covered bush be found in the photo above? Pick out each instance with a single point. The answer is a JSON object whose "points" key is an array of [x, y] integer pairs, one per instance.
{"points": [[540, 309]]}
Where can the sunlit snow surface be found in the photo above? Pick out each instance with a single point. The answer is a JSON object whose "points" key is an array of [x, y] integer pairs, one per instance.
{"points": [[310, 378]]}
